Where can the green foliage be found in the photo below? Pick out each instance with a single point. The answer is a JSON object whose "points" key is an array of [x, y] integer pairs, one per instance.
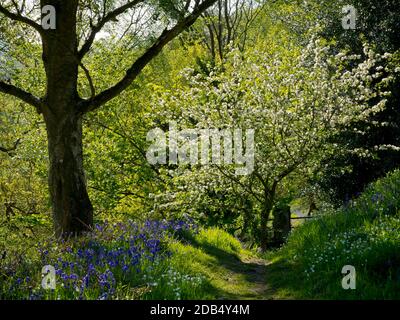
{"points": [[24, 207], [295, 101], [345, 175]]}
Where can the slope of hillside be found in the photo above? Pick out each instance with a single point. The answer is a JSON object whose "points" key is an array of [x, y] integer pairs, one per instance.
{"points": [[364, 234]]}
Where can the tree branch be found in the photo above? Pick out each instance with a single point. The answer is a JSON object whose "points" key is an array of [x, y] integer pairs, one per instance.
{"points": [[107, 18], [11, 150], [142, 61], [89, 78], [237, 181], [20, 18], [21, 94]]}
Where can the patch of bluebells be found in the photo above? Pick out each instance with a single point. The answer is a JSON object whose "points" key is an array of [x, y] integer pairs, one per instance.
{"points": [[90, 266]]}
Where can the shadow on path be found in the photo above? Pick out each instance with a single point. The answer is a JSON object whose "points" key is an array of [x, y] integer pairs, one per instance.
{"points": [[247, 274]]}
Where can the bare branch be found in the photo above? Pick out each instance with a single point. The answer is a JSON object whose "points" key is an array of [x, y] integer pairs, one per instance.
{"points": [[142, 61], [21, 94], [89, 78], [234, 178], [107, 18], [20, 18], [10, 150]]}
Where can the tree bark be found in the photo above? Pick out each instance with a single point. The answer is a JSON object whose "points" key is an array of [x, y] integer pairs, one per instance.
{"points": [[264, 238], [269, 196], [281, 224], [248, 219], [72, 209]]}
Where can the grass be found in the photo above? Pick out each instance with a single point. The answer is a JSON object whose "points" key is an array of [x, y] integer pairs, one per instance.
{"points": [[232, 272], [365, 234]]}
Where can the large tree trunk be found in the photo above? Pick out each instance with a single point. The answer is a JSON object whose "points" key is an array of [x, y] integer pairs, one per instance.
{"points": [[72, 210]]}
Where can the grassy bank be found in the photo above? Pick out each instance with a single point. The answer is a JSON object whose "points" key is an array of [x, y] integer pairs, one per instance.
{"points": [[365, 234]]}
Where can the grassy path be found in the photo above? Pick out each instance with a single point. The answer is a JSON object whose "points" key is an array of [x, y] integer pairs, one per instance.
{"points": [[250, 274], [239, 277], [232, 272]]}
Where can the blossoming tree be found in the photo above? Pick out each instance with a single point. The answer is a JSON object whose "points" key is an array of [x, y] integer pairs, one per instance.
{"points": [[295, 102]]}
